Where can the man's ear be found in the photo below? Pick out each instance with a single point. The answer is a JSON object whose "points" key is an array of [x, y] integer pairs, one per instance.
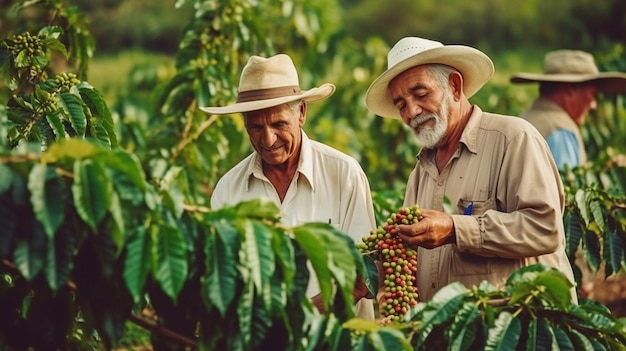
{"points": [[302, 117], [455, 80]]}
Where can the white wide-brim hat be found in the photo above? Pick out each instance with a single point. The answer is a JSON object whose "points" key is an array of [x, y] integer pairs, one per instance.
{"points": [[269, 82], [476, 68], [574, 66]]}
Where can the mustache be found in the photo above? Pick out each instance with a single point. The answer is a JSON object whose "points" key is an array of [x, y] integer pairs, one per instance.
{"points": [[415, 122]]}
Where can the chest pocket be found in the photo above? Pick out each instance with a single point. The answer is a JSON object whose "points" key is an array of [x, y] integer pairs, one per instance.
{"points": [[467, 264], [473, 207]]}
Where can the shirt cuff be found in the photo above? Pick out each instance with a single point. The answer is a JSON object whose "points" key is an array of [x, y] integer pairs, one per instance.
{"points": [[468, 230]]}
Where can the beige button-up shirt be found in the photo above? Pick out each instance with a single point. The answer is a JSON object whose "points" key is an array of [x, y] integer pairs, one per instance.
{"points": [[502, 167], [329, 187]]}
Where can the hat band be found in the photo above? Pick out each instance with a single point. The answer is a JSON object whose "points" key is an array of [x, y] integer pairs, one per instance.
{"points": [[269, 93]]}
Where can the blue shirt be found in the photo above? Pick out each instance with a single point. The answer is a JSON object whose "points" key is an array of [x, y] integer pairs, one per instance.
{"points": [[565, 148]]}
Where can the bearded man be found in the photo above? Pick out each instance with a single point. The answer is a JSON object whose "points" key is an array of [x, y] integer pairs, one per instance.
{"points": [[497, 171]]}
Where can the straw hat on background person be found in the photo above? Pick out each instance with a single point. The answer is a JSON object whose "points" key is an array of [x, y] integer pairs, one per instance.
{"points": [[574, 66]]}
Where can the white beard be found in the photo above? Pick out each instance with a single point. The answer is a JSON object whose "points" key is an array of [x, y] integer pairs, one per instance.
{"points": [[430, 136]]}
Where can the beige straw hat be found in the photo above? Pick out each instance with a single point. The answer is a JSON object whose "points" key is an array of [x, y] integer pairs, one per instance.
{"points": [[573, 66], [475, 66], [268, 82]]}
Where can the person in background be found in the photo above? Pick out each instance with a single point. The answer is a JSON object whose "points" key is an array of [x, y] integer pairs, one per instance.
{"points": [[567, 92], [307, 180], [496, 170]]}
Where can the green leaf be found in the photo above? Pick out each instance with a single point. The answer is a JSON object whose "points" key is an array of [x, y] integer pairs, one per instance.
{"points": [[599, 215], [221, 266], [447, 205], [462, 332], [50, 32], [54, 120], [137, 262], [371, 278], [284, 251], [99, 134], [384, 339], [331, 255], [505, 333], [126, 164], [258, 250], [72, 105], [544, 335], [55, 45], [70, 148], [99, 109], [613, 252], [6, 178], [47, 197], [531, 339], [574, 235], [169, 252], [245, 310], [581, 341], [440, 309], [563, 341], [92, 190], [60, 258], [30, 252], [257, 208], [591, 247], [582, 206]]}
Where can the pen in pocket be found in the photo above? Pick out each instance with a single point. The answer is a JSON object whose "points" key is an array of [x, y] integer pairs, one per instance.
{"points": [[468, 210]]}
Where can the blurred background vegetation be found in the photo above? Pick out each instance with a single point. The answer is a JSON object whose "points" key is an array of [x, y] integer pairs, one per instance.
{"points": [[345, 42]]}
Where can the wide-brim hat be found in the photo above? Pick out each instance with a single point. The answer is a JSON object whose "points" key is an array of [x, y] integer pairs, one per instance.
{"points": [[573, 66], [269, 82], [476, 68]]}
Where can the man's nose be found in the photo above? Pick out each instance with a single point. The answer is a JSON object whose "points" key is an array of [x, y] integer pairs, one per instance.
{"points": [[413, 110], [268, 137]]}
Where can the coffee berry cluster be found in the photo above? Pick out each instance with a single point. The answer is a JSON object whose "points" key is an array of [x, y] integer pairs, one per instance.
{"points": [[398, 261], [65, 81]]}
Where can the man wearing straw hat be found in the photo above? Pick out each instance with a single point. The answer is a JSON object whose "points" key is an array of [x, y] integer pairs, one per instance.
{"points": [[308, 181], [567, 91], [496, 170]]}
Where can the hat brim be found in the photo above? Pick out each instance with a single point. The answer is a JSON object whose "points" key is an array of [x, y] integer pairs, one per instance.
{"points": [[314, 94], [609, 82], [476, 68]]}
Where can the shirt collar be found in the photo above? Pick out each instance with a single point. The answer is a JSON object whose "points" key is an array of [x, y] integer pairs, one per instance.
{"points": [[305, 164]]}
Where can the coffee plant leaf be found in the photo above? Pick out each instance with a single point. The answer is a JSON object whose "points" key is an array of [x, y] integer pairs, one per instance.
{"points": [[47, 197], [386, 339], [91, 190], [462, 332], [137, 262], [505, 334], [221, 251], [170, 266]]}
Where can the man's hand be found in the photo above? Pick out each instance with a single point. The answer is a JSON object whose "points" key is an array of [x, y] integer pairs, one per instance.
{"points": [[317, 302], [434, 229], [360, 289]]}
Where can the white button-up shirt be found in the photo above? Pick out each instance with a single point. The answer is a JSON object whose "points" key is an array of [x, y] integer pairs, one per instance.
{"points": [[329, 186]]}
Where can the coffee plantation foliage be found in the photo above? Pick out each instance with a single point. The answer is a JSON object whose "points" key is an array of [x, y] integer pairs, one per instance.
{"points": [[106, 223]]}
